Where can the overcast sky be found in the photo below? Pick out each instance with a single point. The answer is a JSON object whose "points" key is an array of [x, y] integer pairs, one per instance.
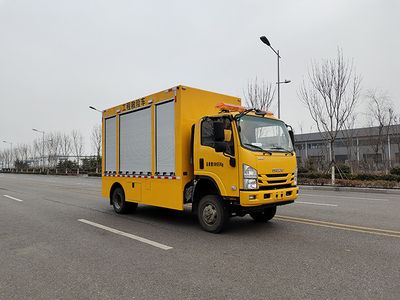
{"points": [[59, 57]]}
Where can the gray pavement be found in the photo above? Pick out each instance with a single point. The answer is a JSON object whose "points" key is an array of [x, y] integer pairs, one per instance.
{"points": [[330, 244]]}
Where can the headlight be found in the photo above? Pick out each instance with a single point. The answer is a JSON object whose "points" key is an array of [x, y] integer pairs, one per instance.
{"points": [[249, 172], [295, 177], [250, 178], [250, 184]]}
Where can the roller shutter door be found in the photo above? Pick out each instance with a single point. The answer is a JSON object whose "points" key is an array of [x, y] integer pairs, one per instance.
{"points": [[110, 141], [135, 141], [165, 137]]}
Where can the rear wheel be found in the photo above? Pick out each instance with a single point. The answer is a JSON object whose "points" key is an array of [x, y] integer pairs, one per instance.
{"points": [[119, 203], [212, 213], [264, 215]]}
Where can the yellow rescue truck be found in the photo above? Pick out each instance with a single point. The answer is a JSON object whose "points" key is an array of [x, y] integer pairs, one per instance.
{"points": [[185, 145]]}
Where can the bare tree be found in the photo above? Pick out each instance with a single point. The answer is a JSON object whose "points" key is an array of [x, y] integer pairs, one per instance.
{"points": [[2, 159], [77, 146], [52, 144], [7, 158], [37, 154], [25, 150], [381, 112], [65, 148], [10, 157], [330, 95], [259, 95], [96, 144], [65, 145], [17, 153], [22, 153]]}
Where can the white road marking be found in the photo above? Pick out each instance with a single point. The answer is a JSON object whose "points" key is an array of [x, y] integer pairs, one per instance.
{"points": [[128, 235], [16, 199], [359, 198], [313, 203], [377, 231]]}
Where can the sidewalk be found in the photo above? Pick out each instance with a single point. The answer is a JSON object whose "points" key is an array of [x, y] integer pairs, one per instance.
{"points": [[349, 189]]}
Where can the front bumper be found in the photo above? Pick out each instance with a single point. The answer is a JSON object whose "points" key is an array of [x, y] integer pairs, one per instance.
{"points": [[256, 198]]}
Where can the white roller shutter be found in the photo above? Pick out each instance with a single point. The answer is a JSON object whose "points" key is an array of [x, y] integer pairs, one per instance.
{"points": [[165, 137], [110, 141], [135, 141]]}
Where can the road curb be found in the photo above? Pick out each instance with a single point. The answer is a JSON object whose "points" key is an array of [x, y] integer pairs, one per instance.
{"points": [[349, 189]]}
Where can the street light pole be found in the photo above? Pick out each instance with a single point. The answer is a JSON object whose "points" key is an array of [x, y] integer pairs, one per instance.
{"points": [[94, 108], [266, 42], [279, 88], [42, 132]]}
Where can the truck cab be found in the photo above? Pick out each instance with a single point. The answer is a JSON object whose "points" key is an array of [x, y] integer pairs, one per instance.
{"points": [[246, 160]]}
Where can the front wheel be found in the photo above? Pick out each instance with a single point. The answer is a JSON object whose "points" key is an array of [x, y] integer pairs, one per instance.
{"points": [[264, 215], [212, 213]]}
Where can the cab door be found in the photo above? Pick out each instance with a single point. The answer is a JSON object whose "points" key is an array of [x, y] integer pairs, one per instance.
{"points": [[216, 156]]}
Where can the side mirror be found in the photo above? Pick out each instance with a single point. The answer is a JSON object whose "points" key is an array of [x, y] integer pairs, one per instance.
{"points": [[227, 135], [220, 146], [219, 133], [291, 133]]}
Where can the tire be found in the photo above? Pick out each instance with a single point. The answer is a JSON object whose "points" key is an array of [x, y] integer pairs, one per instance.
{"points": [[212, 213], [265, 215], [119, 203]]}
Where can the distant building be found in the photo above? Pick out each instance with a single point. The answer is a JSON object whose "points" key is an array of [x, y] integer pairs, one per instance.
{"points": [[370, 148]]}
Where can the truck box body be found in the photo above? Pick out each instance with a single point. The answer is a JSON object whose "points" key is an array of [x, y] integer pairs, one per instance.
{"points": [[147, 144]]}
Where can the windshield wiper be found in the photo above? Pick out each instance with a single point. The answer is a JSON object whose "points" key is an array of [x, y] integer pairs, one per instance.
{"points": [[281, 148], [259, 148], [245, 112]]}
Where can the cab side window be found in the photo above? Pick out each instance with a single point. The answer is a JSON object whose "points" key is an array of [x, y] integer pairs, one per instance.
{"points": [[207, 133]]}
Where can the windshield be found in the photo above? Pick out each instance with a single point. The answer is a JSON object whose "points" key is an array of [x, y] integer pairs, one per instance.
{"points": [[263, 134]]}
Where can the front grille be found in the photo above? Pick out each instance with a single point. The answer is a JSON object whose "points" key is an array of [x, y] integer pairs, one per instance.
{"points": [[274, 187], [278, 179], [277, 175]]}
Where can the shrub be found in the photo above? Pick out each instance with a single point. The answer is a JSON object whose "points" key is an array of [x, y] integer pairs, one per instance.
{"points": [[66, 164], [395, 171], [19, 164], [302, 170], [344, 169], [356, 177]]}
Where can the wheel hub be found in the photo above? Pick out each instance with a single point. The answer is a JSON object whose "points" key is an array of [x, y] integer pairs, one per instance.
{"points": [[117, 201], [210, 214]]}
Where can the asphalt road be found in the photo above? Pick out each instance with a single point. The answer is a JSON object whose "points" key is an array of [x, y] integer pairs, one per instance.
{"points": [[60, 240]]}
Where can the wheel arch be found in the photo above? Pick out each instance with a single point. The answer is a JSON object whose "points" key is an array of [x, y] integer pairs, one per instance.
{"points": [[205, 185], [113, 188]]}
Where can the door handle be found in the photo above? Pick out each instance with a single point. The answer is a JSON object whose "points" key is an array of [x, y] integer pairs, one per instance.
{"points": [[201, 163]]}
